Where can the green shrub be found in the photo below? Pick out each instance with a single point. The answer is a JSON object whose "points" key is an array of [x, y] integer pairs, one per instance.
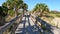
{"points": [[11, 12], [58, 15]]}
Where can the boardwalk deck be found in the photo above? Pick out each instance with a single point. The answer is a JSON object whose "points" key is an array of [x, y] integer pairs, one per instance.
{"points": [[27, 26]]}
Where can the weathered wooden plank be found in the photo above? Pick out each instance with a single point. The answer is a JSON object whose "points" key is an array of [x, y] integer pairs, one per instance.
{"points": [[7, 25]]}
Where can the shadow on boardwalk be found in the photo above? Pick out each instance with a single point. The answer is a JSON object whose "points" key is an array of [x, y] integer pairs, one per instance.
{"points": [[28, 29], [45, 26], [34, 29]]}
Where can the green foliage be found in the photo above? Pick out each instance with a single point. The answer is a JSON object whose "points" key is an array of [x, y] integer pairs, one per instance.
{"points": [[14, 4], [52, 12], [3, 11], [11, 12], [4, 4], [58, 15], [25, 6], [41, 8]]}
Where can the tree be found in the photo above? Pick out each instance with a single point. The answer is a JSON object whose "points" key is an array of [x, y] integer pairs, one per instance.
{"points": [[8, 4], [41, 8], [18, 5], [13, 4], [25, 7], [44, 9], [2, 15]]}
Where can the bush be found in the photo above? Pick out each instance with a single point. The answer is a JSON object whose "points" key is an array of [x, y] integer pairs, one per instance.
{"points": [[3, 11], [58, 15], [11, 12]]}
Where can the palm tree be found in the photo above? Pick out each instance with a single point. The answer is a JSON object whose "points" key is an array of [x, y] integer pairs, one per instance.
{"points": [[44, 8], [14, 4], [5, 9], [25, 7], [3, 13], [41, 8], [17, 5]]}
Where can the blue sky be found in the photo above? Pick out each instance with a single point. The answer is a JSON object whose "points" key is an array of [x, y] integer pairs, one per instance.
{"points": [[2, 1], [52, 4]]}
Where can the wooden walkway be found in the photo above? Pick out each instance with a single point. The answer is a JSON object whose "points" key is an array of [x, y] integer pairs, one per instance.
{"points": [[27, 26]]}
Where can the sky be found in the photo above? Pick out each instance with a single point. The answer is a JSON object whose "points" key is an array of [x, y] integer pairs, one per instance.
{"points": [[52, 4], [2, 1]]}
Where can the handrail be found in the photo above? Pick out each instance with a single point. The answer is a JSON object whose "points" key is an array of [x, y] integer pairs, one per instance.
{"points": [[7, 25], [46, 25], [42, 22], [38, 24]]}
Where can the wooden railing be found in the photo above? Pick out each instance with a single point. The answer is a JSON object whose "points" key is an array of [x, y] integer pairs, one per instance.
{"points": [[5, 27], [37, 23], [41, 23]]}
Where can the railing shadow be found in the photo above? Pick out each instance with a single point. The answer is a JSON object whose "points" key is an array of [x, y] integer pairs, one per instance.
{"points": [[29, 26], [22, 29], [28, 29], [32, 29]]}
